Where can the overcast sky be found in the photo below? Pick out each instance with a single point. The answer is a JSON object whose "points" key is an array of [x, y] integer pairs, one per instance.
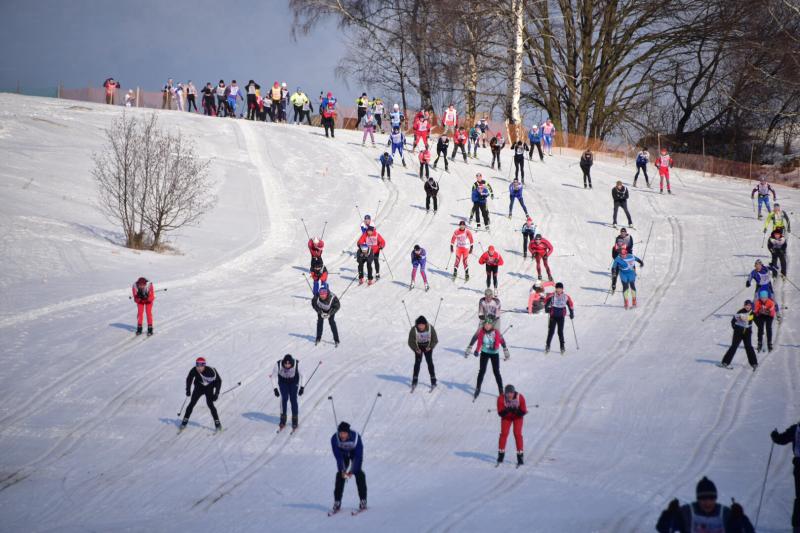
{"points": [[144, 42]]}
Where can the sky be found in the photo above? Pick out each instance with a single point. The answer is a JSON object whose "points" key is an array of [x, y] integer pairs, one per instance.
{"points": [[142, 43]]}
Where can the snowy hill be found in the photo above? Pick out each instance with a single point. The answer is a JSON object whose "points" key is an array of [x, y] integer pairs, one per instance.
{"points": [[615, 430]]}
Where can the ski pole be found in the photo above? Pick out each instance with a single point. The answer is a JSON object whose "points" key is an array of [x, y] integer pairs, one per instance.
{"points": [[763, 486], [608, 293], [648, 239], [312, 374], [388, 266], [308, 283], [323, 229], [335, 420], [360, 218], [754, 204], [437, 311], [508, 328], [378, 208], [792, 282], [577, 347], [764, 240], [182, 406], [724, 303], [348, 288], [305, 228], [448, 260], [364, 427], [406, 308], [234, 387]]}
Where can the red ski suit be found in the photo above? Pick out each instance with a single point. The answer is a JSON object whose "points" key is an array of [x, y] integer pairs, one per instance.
{"points": [[421, 131], [663, 164], [540, 251], [508, 418], [460, 239], [316, 251], [491, 260], [374, 241], [144, 304]]}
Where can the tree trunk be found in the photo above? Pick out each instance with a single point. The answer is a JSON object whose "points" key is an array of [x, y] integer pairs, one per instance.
{"points": [[515, 90]]}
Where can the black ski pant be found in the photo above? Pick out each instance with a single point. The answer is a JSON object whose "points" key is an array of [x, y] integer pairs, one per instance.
{"points": [[551, 328], [362, 111], [741, 335], [191, 103], [519, 166], [495, 359], [643, 168], [328, 124], [222, 106], [298, 114], [361, 263], [440, 153], [491, 275], [386, 169], [331, 323], [479, 209], [796, 511], [764, 322], [275, 110], [456, 146], [427, 168], [428, 202], [379, 122], [538, 146], [361, 483], [526, 237], [418, 362], [624, 205], [587, 178], [251, 107], [779, 257], [614, 274], [496, 157], [307, 114], [288, 394], [196, 394]]}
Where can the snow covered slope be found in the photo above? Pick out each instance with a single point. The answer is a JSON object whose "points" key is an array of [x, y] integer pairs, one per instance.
{"points": [[616, 429]]}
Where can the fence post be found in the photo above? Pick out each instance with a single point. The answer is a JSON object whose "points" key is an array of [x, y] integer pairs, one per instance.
{"points": [[137, 96], [58, 90]]}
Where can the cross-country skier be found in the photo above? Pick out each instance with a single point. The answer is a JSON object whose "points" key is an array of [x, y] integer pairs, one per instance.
{"points": [[207, 382], [396, 118], [777, 247], [540, 249], [250, 89], [496, 145], [473, 141], [519, 148], [364, 256], [626, 266], [234, 94], [386, 165], [704, 515], [548, 131], [479, 181], [642, 160], [316, 247], [558, 305], [431, 192], [493, 261], [515, 193], [461, 237], [623, 240], [362, 102], [419, 258], [144, 294], [764, 312], [535, 137], [397, 140], [441, 151], [586, 162], [459, 142], [348, 449], [528, 232], [424, 162], [483, 126], [207, 101], [779, 219], [318, 273], [763, 189], [422, 339], [480, 195], [620, 196], [538, 294], [374, 240], [489, 341], [450, 120], [369, 128], [287, 371], [329, 118], [366, 223], [299, 100], [489, 306], [742, 324], [762, 275], [326, 304], [378, 111], [511, 408], [421, 130], [663, 163], [792, 436]]}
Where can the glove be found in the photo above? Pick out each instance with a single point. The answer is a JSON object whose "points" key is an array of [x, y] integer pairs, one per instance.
{"points": [[571, 314], [506, 354], [774, 435], [475, 353], [674, 507], [324, 315], [466, 352], [277, 394], [765, 230], [503, 413], [736, 511], [470, 249], [216, 397], [747, 284], [451, 248], [301, 391], [187, 393]]}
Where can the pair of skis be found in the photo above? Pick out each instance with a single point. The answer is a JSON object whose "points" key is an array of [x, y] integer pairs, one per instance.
{"points": [[414, 387], [292, 432], [353, 512]]}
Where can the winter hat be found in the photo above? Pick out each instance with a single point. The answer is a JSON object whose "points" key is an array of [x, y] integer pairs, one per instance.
{"points": [[491, 250], [200, 361], [748, 302], [141, 281], [537, 284], [344, 426], [509, 389], [323, 288], [706, 489], [283, 84], [396, 107], [370, 228], [758, 262], [763, 294], [488, 320], [488, 293], [528, 219], [289, 358], [462, 223], [559, 285], [420, 320], [330, 95], [367, 217], [417, 248]]}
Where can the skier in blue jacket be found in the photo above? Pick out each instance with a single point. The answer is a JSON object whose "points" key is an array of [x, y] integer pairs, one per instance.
{"points": [[386, 164], [479, 197], [625, 264], [419, 258], [397, 140], [535, 137], [396, 117], [348, 449], [515, 193], [642, 160], [762, 275]]}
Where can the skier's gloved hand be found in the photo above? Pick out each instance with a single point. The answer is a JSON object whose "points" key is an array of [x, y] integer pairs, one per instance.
{"points": [[737, 512], [470, 249], [451, 248], [747, 284], [571, 314], [324, 315], [301, 391], [774, 435], [475, 353], [765, 230], [275, 391], [674, 507], [466, 352], [506, 354], [503, 413], [188, 393], [216, 397]]}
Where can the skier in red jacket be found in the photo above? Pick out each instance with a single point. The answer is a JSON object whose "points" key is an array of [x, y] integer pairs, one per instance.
{"points": [[463, 241], [493, 260], [663, 164], [374, 240], [144, 294], [540, 249], [511, 407]]}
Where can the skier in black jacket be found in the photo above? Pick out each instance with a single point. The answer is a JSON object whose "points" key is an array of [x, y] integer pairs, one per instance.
{"points": [[742, 324], [207, 382], [704, 515], [792, 435], [289, 379], [364, 256], [326, 304], [431, 192], [441, 151], [620, 195]]}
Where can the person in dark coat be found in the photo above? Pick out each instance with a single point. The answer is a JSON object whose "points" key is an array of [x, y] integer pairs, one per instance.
{"points": [[705, 514], [348, 449], [207, 382], [792, 436]]}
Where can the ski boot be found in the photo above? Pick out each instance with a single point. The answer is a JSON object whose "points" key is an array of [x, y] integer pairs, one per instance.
{"points": [[478, 225], [282, 423], [362, 505], [501, 457], [759, 348], [633, 303], [316, 342], [614, 225], [769, 347], [427, 287], [184, 423], [547, 349], [335, 344], [413, 384], [455, 274], [563, 350], [520, 458], [360, 281], [509, 216], [217, 425], [295, 422], [724, 365], [539, 277], [661, 191], [466, 275], [755, 367], [613, 288], [476, 394], [337, 506], [371, 282], [549, 277], [411, 285], [139, 330], [149, 331], [669, 191], [377, 276]]}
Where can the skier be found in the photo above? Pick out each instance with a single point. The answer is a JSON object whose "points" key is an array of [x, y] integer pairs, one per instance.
{"points": [[386, 165], [207, 101], [326, 304], [396, 118], [535, 137], [422, 339], [111, 86], [329, 117], [557, 305], [763, 189], [397, 141], [315, 247], [515, 193], [144, 294], [528, 232], [642, 160], [489, 307], [289, 379], [779, 219], [625, 264], [764, 312], [222, 105], [704, 515], [473, 141], [620, 196], [207, 382], [792, 435], [308, 108], [512, 408], [298, 101], [496, 144], [493, 261], [538, 294], [348, 449], [540, 249], [441, 151], [460, 238], [483, 126], [419, 258], [480, 194], [275, 96], [421, 130], [519, 149], [623, 240], [663, 164], [459, 141], [741, 323], [777, 247], [450, 120], [378, 111], [762, 275], [318, 273], [489, 340], [130, 98], [424, 162], [366, 223], [548, 131], [369, 128], [374, 240], [431, 192], [364, 256], [479, 181], [362, 103], [233, 95], [587, 160], [250, 89]]}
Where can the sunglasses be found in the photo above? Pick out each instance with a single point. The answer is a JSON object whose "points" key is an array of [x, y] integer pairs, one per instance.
{"points": [[199, 364]]}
